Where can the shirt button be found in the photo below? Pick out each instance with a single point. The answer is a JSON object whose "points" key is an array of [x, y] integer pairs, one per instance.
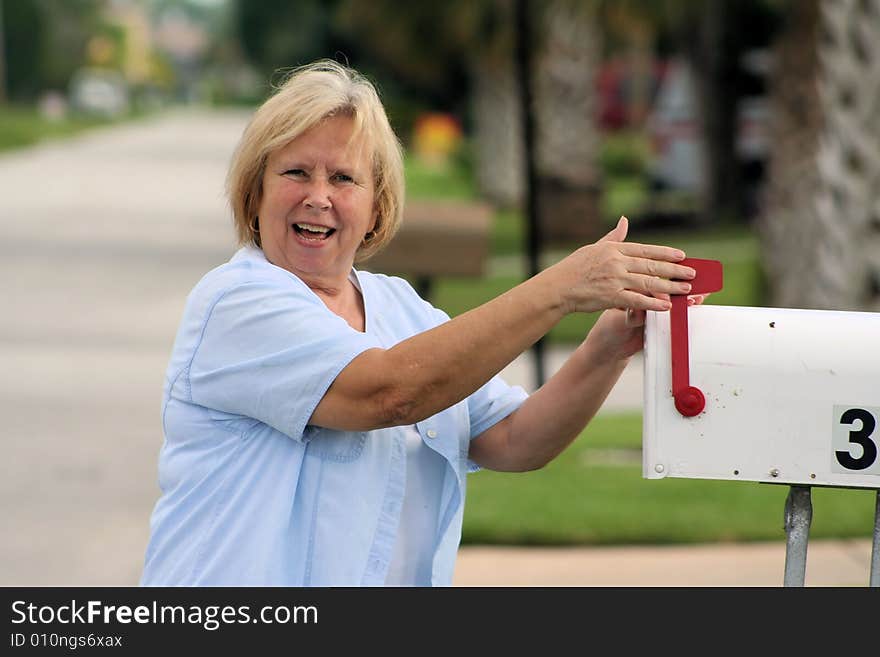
{"points": [[431, 433]]}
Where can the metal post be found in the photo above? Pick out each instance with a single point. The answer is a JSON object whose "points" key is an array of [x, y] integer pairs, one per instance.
{"points": [[425, 287], [875, 551], [3, 94], [523, 60], [798, 515]]}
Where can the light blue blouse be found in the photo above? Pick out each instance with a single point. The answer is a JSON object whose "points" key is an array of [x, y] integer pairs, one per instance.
{"points": [[252, 494]]}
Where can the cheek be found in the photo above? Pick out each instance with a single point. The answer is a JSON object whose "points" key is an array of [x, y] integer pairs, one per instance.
{"points": [[278, 199]]}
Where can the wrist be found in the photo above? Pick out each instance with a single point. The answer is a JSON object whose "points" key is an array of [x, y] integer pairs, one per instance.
{"points": [[552, 292], [596, 352]]}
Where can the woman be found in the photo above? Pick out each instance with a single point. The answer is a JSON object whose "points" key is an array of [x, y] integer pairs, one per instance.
{"points": [[320, 421]]}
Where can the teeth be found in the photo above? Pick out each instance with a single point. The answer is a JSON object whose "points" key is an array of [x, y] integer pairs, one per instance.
{"points": [[314, 229]]}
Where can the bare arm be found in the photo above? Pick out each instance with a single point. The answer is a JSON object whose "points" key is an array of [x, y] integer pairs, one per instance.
{"points": [[554, 415], [549, 420], [433, 370]]}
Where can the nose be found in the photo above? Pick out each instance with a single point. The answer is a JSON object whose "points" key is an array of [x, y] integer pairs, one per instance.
{"points": [[317, 196]]}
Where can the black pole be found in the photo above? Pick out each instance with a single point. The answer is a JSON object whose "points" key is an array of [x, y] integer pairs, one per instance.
{"points": [[524, 76], [3, 97]]}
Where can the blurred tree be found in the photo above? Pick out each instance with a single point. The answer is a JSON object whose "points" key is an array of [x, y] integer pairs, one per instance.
{"points": [[632, 31], [44, 42], [421, 46], [821, 227], [716, 40], [2, 59], [415, 51], [24, 35], [69, 25], [460, 53], [495, 108], [282, 35], [714, 36], [454, 56], [569, 180]]}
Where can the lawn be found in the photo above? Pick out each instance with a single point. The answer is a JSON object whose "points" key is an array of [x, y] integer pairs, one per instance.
{"points": [[594, 494], [24, 126]]}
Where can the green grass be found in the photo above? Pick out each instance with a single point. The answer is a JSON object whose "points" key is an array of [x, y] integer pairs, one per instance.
{"points": [[24, 126], [450, 183], [584, 498]]}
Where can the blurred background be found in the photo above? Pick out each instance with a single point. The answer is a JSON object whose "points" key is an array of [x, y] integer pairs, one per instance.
{"points": [[739, 130]]}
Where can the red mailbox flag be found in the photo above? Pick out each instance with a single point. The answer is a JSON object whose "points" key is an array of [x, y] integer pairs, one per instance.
{"points": [[689, 400]]}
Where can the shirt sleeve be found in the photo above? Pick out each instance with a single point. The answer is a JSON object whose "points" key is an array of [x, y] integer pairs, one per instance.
{"points": [[489, 405], [270, 351], [492, 403]]}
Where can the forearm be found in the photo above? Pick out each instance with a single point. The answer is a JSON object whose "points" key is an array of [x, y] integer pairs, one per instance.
{"points": [[453, 360], [551, 418], [433, 370]]}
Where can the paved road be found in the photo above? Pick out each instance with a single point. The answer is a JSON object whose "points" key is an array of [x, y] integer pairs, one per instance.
{"points": [[101, 238]]}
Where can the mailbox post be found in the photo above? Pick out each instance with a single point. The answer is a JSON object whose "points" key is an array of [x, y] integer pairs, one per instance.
{"points": [[789, 396]]}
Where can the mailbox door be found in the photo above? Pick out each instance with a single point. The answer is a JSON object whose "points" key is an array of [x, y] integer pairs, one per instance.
{"points": [[792, 396]]}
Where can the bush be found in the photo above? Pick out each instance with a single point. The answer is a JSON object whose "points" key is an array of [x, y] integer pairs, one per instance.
{"points": [[623, 155]]}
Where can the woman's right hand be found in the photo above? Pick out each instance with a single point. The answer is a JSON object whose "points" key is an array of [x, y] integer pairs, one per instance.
{"points": [[612, 273]]}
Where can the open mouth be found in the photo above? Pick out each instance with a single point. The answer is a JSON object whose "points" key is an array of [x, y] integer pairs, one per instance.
{"points": [[313, 232]]}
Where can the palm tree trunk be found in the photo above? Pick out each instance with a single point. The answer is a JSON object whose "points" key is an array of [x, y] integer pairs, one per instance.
{"points": [[498, 144], [569, 180], [849, 157], [822, 215]]}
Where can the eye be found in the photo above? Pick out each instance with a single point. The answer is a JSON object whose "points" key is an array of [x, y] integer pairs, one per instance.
{"points": [[342, 178], [295, 173]]}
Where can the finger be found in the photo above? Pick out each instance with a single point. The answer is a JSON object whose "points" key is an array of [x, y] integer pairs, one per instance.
{"points": [[652, 251], [660, 268], [654, 286], [629, 299], [658, 295], [697, 299], [618, 233], [635, 318]]}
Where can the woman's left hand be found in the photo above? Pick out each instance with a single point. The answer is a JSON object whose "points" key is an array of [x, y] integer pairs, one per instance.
{"points": [[621, 333]]}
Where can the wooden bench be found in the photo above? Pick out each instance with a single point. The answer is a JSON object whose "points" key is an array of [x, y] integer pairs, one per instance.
{"points": [[437, 238]]}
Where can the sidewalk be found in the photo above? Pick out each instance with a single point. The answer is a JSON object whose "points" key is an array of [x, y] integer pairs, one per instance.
{"points": [[829, 563]]}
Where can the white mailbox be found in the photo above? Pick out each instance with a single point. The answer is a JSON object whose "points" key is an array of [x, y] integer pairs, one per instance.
{"points": [[791, 396]]}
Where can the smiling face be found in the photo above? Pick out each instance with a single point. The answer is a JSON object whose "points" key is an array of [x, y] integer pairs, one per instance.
{"points": [[317, 203]]}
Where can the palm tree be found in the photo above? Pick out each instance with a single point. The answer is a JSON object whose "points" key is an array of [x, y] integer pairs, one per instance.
{"points": [[821, 225], [499, 158], [421, 41], [567, 145]]}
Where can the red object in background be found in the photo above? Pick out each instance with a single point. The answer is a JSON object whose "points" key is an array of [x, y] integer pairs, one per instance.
{"points": [[689, 400], [436, 135], [609, 88], [613, 82]]}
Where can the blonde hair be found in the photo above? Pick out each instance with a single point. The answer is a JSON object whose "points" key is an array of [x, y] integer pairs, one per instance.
{"points": [[307, 96]]}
